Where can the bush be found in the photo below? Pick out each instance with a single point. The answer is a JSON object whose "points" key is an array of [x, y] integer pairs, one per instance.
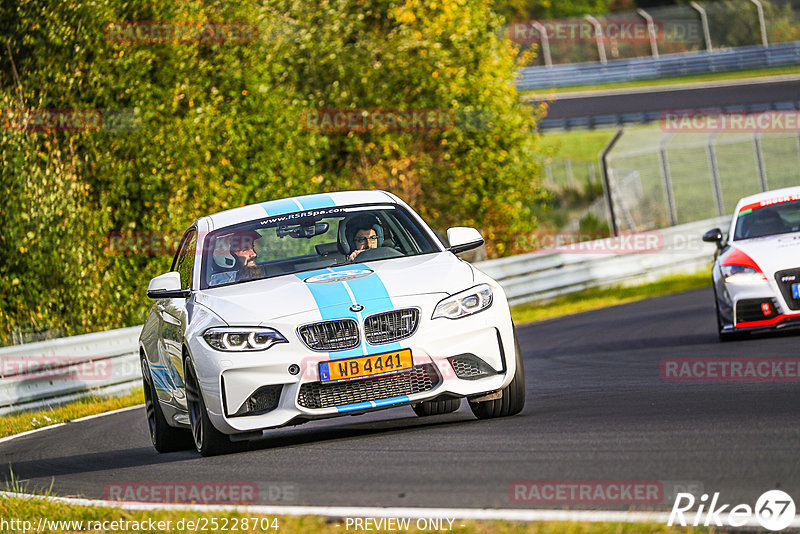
{"points": [[211, 126]]}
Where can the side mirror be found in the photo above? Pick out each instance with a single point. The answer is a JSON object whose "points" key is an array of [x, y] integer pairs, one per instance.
{"points": [[713, 236], [463, 238], [167, 286]]}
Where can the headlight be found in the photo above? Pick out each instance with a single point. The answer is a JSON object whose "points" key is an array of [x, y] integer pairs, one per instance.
{"points": [[465, 303], [243, 339], [741, 274]]}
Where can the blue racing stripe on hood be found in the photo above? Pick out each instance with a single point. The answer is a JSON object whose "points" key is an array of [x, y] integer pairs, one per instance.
{"points": [[370, 292], [334, 301]]}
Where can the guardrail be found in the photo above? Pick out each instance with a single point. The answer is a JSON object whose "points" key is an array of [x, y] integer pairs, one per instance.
{"points": [[36, 375], [53, 372], [670, 65], [542, 275]]}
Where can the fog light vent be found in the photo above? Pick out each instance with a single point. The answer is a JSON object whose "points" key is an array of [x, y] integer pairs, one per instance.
{"points": [[470, 367], [263, 400]]}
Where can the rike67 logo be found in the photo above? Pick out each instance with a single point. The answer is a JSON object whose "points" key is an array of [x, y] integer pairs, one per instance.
{"points": [[774, 510]]}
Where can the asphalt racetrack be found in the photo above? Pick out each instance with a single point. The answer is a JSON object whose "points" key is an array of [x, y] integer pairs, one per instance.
{"points": [[734, 93], [597, 410]]}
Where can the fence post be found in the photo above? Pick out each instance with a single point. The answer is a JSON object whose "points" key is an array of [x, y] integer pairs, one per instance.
{"points": [[665, 175], [704, 21], [607, 181], [712, 163], [548, 60], [651, 31], [761, 23], [762, 172], [598, 36], [570, 174]]}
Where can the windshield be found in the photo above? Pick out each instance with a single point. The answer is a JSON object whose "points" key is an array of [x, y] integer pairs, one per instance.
{"points": [[306, 240], [757, 220]]}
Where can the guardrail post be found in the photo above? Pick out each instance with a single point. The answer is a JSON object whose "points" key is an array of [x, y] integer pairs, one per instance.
{"points": [[667, 178], [712, 164], [607, 181], [598, 36], [704, 21], [762, 172], [761, 23], [651, 31], [545, 40]]}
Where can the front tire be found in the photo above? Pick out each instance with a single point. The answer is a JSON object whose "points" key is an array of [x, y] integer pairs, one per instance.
{"points": [[207, 439], [512, 400], [436, 407], [165, 438]]}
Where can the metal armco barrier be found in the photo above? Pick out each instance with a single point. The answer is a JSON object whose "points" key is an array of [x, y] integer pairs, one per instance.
{"points": [[671, 65], [36, 375], [541, 275], [47, 373]]}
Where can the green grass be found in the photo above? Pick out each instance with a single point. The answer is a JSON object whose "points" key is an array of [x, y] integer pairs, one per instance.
{"points": [[577, 145], [20, 422], [710, 77], [32, 510], [595, 298]]}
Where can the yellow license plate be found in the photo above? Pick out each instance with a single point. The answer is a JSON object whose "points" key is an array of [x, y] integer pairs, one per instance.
{"points": [[376, 364]]}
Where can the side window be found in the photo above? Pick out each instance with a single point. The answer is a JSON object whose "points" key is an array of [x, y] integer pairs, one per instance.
{"points": [[185, 258]]}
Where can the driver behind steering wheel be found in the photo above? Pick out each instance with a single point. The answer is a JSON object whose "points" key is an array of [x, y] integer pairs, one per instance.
{"points": [[367, 235]]}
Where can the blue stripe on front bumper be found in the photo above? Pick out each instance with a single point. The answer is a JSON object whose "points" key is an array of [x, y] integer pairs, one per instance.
{"points": [[372, 404]]}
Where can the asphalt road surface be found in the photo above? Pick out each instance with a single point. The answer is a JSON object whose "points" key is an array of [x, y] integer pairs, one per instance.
{"points": [[644, 100], [597, 410]]}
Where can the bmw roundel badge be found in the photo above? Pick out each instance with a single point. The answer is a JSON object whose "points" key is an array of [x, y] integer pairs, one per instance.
{"points": [[356, 308]]}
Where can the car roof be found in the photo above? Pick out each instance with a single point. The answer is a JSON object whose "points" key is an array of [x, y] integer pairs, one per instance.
{"points": [[293, 204], [768, 195]]}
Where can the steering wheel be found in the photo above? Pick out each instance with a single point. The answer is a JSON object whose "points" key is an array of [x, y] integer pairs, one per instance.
{"points": [[377, 254]]}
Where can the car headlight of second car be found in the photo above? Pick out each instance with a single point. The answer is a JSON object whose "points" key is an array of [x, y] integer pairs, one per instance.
{"points": [[248, 339], [464, 303]]}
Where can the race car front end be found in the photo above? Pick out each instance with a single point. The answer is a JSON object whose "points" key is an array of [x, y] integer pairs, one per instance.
{"points": [[337, 361], [751, 299]]}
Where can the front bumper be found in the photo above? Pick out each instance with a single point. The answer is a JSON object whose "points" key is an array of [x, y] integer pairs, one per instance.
{"points": [[465, 357], [754, 306]]}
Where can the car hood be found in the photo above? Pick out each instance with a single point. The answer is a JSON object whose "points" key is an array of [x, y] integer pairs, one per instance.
{"points": [[772, 253], [252, 303]]}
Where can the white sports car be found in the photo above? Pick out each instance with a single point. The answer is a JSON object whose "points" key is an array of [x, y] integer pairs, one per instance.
{"points": [[318, 306], [757, 269]]}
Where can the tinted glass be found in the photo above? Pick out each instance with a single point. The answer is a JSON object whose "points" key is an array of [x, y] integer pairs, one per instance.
{"points": [[760, 221], [316, 239]]}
